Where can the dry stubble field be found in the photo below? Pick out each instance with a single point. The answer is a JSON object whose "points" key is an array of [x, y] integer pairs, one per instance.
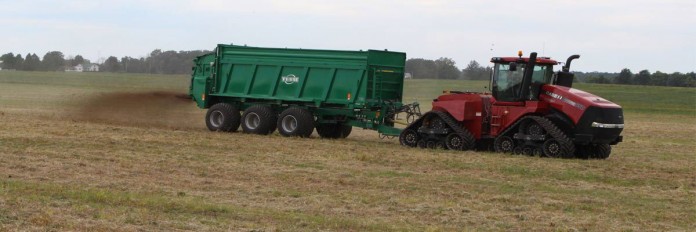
{"points": [[99, 152]]}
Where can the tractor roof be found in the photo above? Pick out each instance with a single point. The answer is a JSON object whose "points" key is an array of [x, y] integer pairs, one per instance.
{"points": [[539, 60]]}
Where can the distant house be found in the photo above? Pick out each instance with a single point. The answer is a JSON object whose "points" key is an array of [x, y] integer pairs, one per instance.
{"points": [[84, 68], [92, 68]]}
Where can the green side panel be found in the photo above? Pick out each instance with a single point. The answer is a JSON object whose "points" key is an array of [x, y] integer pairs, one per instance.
{"points": [[319, 78], [266, 76], [201, 79], [238, 83], [345, 83], [316, 82]]}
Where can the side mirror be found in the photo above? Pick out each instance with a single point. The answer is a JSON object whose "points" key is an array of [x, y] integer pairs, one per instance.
{"points": [[513, 66]]}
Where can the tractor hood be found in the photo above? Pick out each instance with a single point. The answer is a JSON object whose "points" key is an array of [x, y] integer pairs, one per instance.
{"points": [[596, 119], [573, 102]]}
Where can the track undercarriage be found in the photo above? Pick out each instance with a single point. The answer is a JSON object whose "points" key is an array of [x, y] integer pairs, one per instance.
{"points": [[530, 135]]}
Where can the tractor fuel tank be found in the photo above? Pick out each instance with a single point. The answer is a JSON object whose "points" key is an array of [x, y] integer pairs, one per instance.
{"points": [[471, 109]]}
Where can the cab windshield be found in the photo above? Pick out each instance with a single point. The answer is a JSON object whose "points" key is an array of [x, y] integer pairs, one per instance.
{"points": [[507, 83]]}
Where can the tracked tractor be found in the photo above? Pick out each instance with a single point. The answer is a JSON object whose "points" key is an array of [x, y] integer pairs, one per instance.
{"points": [[531, 110]]}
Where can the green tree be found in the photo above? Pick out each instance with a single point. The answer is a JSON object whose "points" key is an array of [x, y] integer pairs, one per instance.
{"points": [[474, 71], [53, 61], [111, 65], [32, 62], [642, 78], [422, 68], [599, 80], [8, 61], [77, 60], [659, 78], [625, 77], [447, 69], [678, 79]]}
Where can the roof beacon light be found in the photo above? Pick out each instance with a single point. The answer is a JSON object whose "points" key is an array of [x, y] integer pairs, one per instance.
{"points": [[519, 53]]}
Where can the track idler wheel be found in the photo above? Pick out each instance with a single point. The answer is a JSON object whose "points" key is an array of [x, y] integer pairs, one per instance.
{"points": [[454, 142], [553, 149], [504, 144], [409, 137]]}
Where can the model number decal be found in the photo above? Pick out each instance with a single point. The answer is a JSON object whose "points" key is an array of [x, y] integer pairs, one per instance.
{"points": [[566, 100]]}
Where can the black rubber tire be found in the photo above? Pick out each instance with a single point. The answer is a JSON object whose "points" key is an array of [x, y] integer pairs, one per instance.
{"points": [[334, 130], [222, 117], [504, 144], [258, 119], [295, 121], [345, 130], [327, 130], [601, 151], [409, 137]]}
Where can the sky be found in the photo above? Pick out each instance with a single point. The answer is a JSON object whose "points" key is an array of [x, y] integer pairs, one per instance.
{"points": [[608, 34]]}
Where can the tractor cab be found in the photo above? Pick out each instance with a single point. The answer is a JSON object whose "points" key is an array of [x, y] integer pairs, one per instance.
{"points": [[517, 79]]}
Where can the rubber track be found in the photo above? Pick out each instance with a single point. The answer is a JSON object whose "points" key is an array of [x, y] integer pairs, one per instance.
{"points": [[469, 139], [556, 133]]}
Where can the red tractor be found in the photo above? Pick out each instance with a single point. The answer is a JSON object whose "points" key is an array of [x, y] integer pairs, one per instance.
{"points": [[531, 110]]}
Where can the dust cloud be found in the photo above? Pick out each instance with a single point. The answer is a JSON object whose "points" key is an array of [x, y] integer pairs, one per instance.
{"points": [[162, 109]]}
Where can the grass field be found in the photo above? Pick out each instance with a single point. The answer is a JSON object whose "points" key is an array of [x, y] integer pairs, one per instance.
{"points": [[100, 152]]}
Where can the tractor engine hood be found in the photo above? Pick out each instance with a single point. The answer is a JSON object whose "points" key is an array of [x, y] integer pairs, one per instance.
{"points": [[596, 119], [573, 102]]}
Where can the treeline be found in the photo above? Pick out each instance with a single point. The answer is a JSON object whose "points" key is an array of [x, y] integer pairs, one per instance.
{"points": [[157, 62], [446, 68], [644, 77]]}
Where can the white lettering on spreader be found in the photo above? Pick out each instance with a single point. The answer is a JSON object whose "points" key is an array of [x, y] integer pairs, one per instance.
{"points": [[290, 79]]}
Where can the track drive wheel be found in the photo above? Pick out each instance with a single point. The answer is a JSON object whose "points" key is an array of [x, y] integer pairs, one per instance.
{"points": [[295, 121], [222, 117], [409, 137], [258, 119], [504, 144]]}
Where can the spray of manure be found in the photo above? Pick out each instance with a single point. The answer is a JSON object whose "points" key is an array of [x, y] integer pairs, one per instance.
{"points": [[162, 109]]}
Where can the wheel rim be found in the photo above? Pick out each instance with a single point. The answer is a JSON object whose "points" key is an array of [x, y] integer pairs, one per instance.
{"points": [[535, 129], [552, 148], [411, 137], [252, 120], [437, 123], [216, 118], [454, 142], [507, 145], [289, 123]]}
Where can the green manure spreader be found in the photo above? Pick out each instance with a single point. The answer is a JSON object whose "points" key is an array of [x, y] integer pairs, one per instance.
{"points": [[299, 90]]}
